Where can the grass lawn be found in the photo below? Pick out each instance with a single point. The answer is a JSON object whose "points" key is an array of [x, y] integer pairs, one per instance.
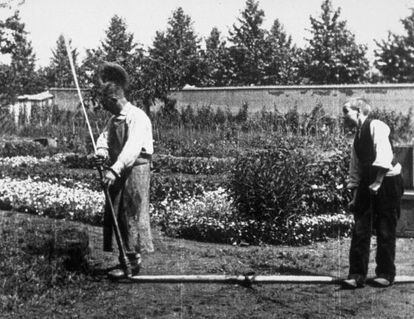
{"points": [[91, 295]]}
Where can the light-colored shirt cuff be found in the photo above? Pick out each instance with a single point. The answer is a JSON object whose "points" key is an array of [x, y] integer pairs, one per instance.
{"points": [[118, 167], [352, 185], [102, 152]]}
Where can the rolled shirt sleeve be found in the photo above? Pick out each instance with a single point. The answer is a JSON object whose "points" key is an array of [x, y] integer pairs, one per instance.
{"points": [[102, 143], [383, 151]]}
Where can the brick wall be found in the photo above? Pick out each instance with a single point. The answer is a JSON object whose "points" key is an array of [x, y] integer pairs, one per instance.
{"points": [[399, 97]]}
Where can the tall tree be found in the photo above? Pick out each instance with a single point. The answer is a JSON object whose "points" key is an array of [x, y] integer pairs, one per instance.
{"points": [[59, 73], [178, 50], [21, 73], [118, 46], [119, 43], [248, 51], [215, 60], [395, 56], [333, 56], [282, 57], [173, 60]]}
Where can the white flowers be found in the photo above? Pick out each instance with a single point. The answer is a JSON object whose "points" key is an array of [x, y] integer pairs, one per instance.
{"points": [[58, 201], [17, 161]]}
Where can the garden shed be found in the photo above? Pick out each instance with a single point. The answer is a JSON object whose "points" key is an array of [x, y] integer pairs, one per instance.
{"points": [[31, 105]]}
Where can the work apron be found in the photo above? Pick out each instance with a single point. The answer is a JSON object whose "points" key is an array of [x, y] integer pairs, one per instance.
{"points": [[130, 198]]}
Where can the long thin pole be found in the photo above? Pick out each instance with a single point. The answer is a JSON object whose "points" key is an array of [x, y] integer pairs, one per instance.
{"points": [[122, 253], [249, 280]]}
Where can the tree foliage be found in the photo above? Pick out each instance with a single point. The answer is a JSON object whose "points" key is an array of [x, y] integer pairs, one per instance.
{"points": [[248, 51], [395, 55], [215, 60], [333, 56], [20, 75], [59, 73], [176, 52], [282, 57], [118, 46]]}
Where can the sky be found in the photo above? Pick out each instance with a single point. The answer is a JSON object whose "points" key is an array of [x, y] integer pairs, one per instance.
{"points": [[85, 21]]}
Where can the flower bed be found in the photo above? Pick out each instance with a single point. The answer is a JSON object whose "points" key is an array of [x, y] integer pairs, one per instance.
{"points": [[193, 206], [52, 200], [212, 218]]}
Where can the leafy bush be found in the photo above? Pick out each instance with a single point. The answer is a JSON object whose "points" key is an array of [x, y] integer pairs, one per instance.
{"points": [[270, 185], [279, 186]]}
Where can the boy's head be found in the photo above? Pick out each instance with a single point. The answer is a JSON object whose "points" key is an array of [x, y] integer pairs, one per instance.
{"points": [[353, 108]]}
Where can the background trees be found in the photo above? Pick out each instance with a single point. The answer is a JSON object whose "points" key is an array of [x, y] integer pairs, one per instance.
{"points": [[333, 56], [20, 75], [248, 50], [395, 55], [59, 73], [248, 55]]}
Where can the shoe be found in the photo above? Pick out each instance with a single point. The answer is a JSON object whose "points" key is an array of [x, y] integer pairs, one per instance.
{"points": [[381, 282], [135, 270], [116, 274], [349, 284], [135, 262]]}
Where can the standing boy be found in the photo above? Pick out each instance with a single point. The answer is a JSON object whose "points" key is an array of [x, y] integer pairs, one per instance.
{"points": [[377, 186]]}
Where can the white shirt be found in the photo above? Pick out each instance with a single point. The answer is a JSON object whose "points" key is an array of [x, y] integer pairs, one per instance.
{"points": [[139, 137], [383, 153]]}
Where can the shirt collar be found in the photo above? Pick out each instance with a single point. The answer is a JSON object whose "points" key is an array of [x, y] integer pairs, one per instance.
{"points": [[123, 112], [361, 119]]}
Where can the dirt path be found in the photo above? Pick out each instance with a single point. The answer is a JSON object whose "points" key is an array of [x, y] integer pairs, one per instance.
{"points": [[99, 298]]}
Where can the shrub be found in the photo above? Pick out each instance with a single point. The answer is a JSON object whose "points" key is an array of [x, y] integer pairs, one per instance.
{"points": [[270, 185], [278, 186]]}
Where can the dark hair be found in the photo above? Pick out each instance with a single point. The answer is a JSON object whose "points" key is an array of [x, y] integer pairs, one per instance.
{"points": [[115, 73]]}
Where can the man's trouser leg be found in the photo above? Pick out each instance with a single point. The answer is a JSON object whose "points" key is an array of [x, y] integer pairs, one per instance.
{"points": [[360, 246], [387, 211]]}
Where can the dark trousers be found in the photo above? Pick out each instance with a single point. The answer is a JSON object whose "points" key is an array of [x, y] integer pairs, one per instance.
{"points": [[378, 212]]}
